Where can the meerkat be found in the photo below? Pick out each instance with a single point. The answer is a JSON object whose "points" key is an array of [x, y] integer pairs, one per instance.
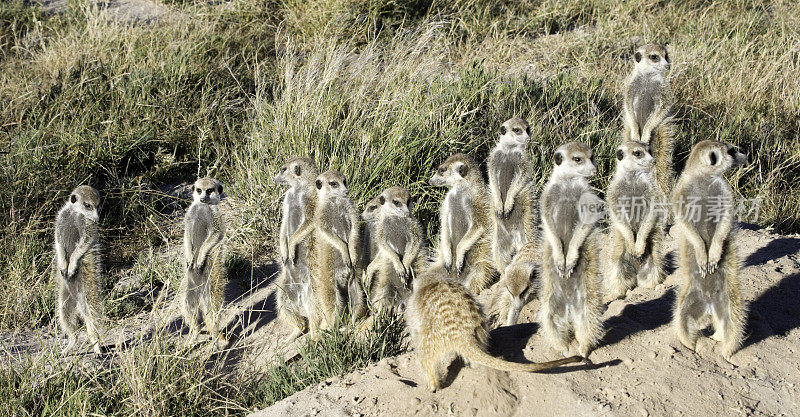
{"points": [[519, 282], [634, 253], [648, 98], [709, 261], [368, 245], [202, 289], [445, 321], [510, 186], [571, 298], [400, 245], [295, 243], [335, 286], [464, 248], [78, 267]]}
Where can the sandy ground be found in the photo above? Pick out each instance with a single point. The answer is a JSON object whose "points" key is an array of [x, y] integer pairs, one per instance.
{"points": [[640, 368]]}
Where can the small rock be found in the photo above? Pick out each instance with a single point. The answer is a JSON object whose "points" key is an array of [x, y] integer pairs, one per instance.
{"points": [[653, 354], [627, 361]]}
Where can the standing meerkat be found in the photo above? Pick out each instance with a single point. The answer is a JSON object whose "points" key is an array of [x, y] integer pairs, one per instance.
{"points": [[571, 297], [709, 261], [445, 321], [78, 267], [510, 186], [399, 258], [519, 282], [295, 242], [334, 283], [368, 244], [634, 253], [646, 109], [203, 285], [464, 249]]}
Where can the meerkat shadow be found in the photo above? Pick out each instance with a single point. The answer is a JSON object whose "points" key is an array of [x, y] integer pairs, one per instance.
{"points": [[635, 318], [774, 312], [249, 294], [775, 249], [509, 342]]}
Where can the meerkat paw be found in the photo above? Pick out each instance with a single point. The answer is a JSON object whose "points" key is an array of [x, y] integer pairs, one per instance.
{"points": [[97, 348], [71, 341]]}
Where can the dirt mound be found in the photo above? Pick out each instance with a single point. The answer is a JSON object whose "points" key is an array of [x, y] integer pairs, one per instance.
{"points": [[640, 368]]}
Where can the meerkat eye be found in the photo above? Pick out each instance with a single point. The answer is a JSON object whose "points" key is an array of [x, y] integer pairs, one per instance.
{"points": [[87, 205], [283, 169], [396, 203], [441, 171], [334, 184], [199, 191], [654, 57], [517, 130], [637, 154], [503, 130], [210, 190], [577, 159]]}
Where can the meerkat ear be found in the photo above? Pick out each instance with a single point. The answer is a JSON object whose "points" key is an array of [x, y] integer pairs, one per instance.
{"points": [[528, 130], [382, 199], [558, 158], [73, 199], [319, 184], [712, 158], [637, 56], [297, 170], [219, 188], [463, 169], [503, 130], [620, 154]]}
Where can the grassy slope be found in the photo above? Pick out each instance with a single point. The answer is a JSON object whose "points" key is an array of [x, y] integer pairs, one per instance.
{"points": [[382, 91]]}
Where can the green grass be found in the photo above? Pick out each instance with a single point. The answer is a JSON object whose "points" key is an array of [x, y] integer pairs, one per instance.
{"points": [[383, 91]]}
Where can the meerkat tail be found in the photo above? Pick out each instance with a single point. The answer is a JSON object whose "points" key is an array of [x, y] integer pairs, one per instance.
{"points": [[473, 352]]}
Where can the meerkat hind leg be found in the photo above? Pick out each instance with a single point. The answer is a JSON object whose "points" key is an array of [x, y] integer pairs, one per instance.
{"points": [[690, 309], [649, 275], [618, 279], [68, 316]]}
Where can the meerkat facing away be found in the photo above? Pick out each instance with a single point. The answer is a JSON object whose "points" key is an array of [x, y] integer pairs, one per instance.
{"points": [[445, 321], [203, 285], [634, 253], [400, 245], [295, 242], [510, 186], [368, 245], [519, 282], [78, 267], [335, 286], [709, 261], [571, 298], [646, 109], [464, 249]]}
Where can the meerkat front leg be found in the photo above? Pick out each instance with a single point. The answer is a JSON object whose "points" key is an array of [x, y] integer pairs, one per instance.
{"points": [[517, 185], [624, 230], [556, 247], [188, 250], [339, 244], [446, 245], [699, 246], [283, 242], [497, 199], [372, 269], [715, 248], [466, 243], [211, 242], [655, 118], [84, 244], [298, 237], [573, 250], [629, 119], [644, 233], [61, 257], [410, 255]]}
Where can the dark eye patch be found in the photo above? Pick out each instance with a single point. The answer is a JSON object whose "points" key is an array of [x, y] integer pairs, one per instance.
{"points": [[73, 199], [319, 184], [558, 158], [654, 58], [577, 159], [503, 130], [637, 154], [637, 56], [334, 184], [396, 203], [297, 170], [517, 130], [620, 154]]}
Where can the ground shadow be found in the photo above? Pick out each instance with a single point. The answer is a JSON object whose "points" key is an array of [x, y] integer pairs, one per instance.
{"points": [[256, 304], [510, 341], [775, 249], [775, 312], [634, 318]]}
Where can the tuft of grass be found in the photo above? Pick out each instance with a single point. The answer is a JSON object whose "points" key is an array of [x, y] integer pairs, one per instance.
{"points": [[337, 352]]}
